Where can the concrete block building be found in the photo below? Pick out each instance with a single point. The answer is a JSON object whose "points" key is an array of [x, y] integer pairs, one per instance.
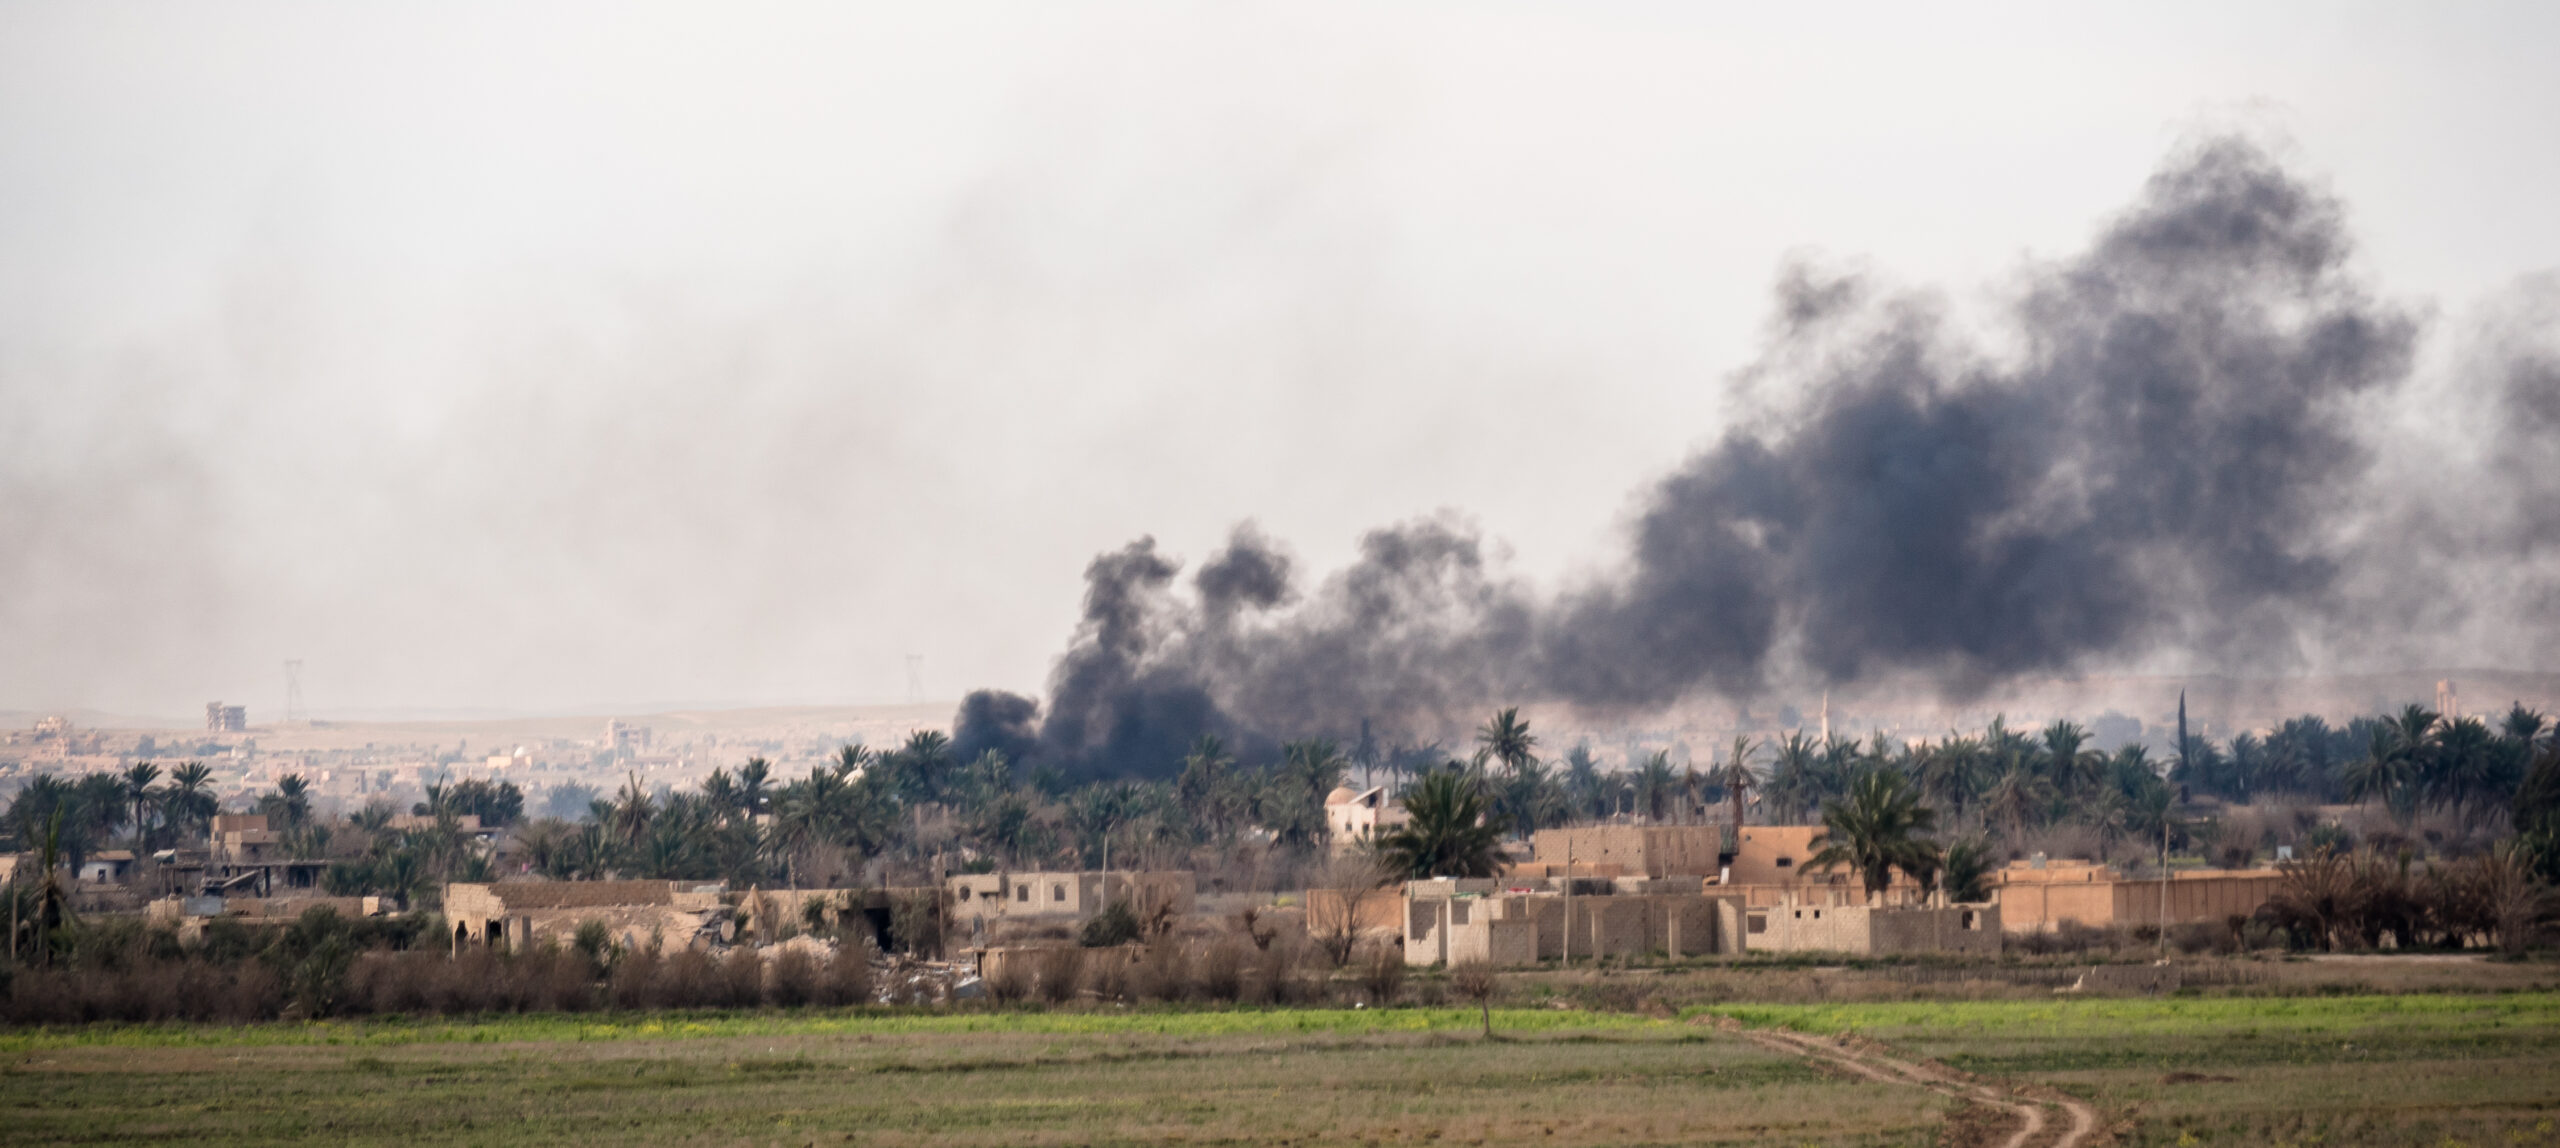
{"points": [[1502, 923], [1358, 816], [1820, 921]]}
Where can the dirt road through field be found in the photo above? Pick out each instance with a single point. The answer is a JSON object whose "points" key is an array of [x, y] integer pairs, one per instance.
{"points": [[1876, 1062]]}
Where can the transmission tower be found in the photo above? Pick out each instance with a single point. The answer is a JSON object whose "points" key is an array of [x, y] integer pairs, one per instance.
{"points": [[293, 689], [915, 679]]}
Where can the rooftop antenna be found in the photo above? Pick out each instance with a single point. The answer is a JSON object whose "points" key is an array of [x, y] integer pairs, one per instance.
{"points": [[915, 679], [293, 689]]}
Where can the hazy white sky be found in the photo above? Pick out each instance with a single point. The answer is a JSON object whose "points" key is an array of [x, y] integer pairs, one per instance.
{"points": [[541, 356]]}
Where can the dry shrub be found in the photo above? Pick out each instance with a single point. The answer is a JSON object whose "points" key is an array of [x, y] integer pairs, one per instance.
{"points": [[463, 984], [847, 979], [1106, 973], [554, 980], [791, 979], [741, 979], [1061, 972], [2200, 936], [1276, 976], [2071, 937], [391, 982], [1164, 973], [634, 982], [687, 979], [1383, 976], [1222, 972], [1012, 979]]}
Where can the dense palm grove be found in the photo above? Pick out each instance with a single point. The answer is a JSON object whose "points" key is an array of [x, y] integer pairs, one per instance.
{"points": [[2416, 783]]}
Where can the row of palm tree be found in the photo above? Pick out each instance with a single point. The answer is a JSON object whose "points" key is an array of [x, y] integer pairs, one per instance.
{"points": [[95, 809], [2418, 759]]}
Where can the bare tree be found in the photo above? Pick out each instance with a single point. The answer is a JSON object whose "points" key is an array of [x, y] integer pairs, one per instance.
{"points": [[1349, 877], [1474, 980]]}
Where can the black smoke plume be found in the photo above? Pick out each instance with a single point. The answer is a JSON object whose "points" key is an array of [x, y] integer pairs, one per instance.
{"points": [[2162, 456]]}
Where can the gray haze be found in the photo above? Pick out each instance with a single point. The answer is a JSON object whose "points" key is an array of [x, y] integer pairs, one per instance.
{"points": [[524, 357]]}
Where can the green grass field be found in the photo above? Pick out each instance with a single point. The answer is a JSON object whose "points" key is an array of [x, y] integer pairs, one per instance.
{"points": [[2432, 1069]]}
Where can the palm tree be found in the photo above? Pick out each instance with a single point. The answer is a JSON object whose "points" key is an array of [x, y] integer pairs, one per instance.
{"points": [[2018, 796], [290, 803], [1952, 773], [1528, 799], [1444, 834], [720, 792], [1738, 778], [923, 763], [75, 815], [1965, 868], [632, 811], [1309, 771], [1205, 790], [1792, 787], [1507, 739], [2107, 810], [53, 902], [189, 801], [2467, 767], [2524, 726], [1582, 781], [1876, 828], [2075, 770], [1655, 782], [139, 792], [372, 819], [756, 776], [2397, 762]]}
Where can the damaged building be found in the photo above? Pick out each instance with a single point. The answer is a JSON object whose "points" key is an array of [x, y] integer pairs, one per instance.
{"points": [[1679, 891], [518, 915], [981, 910]]}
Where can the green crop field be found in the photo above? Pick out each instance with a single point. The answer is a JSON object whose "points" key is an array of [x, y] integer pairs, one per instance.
{"points": [[2432, 1069]]}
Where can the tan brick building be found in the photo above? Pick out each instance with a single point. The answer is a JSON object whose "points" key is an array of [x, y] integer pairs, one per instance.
{"points": [[2042, 897]]}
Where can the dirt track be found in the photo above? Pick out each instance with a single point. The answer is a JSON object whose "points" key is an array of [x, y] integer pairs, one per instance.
{"points": [[1866, 1058]]}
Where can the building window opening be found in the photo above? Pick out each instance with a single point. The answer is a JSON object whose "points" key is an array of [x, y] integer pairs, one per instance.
{"points": [[1786, 862], [1057, 892], [1022, 894], [1758, 923]]}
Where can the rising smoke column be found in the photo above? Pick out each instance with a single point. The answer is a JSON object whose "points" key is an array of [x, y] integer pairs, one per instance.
{"points": [[2160, 463]]}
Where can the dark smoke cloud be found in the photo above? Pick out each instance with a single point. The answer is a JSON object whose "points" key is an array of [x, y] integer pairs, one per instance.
{"points": [[995, 721], [2163, 457]]}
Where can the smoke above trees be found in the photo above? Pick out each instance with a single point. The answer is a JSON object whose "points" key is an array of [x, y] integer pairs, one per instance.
{"points": [[2177, 441]]}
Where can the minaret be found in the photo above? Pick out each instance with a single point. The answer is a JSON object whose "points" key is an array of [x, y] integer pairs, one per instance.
{"points": [[1826, 717], [2182, 733]]}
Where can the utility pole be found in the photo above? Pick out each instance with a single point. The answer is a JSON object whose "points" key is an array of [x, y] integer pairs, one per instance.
{"points": [[2165, 806], [1568, 899]]}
